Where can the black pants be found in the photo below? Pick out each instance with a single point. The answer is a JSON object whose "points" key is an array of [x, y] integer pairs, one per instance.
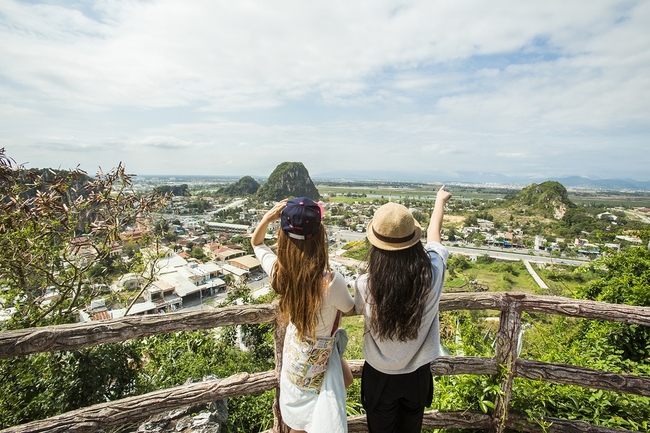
{"points": [[395, 403]]}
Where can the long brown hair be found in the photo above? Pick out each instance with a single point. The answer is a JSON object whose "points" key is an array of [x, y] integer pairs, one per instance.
{"points": [[298, 279], [399, 283]]}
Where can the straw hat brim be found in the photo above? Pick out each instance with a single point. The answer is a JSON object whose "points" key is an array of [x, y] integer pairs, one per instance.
{"points": [[391, 246]]}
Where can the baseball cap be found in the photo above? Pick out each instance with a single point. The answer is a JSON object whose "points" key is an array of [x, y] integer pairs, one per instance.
{"points": [[301, 218]]}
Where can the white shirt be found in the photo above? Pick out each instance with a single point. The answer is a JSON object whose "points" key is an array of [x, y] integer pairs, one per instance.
{"points": [[337, 297]]}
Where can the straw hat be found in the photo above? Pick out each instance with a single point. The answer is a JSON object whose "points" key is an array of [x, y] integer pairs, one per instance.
{"points": [[393, 228]]}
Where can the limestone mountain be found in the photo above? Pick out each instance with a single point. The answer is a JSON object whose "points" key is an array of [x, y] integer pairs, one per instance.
{"points": [[289, 179], [244, 186], [549, 198], [176, 190]]}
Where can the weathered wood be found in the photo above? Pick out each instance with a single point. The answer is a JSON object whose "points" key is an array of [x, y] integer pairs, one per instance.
{"points": [[472, 301], [278, 338], [556, 425], [136, 409], [581, 376], [79, 335], [451, 365], [445, 366], [586, 309], [434, 419], [505, 356]]}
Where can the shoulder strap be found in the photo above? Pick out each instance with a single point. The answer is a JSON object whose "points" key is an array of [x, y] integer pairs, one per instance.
{"points": [[339, 313]]}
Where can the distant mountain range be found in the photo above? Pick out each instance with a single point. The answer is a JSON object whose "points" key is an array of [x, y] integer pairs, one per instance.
{"points": [[488, 178]]}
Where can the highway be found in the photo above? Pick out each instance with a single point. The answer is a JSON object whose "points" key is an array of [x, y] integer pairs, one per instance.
{"points": [[513, 254]]}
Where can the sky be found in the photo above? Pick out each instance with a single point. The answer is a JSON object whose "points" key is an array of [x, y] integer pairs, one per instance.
{"points": [[225, 88]]}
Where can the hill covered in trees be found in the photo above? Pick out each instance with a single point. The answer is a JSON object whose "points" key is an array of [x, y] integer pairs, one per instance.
{"points": [[244, 186], [289, 179], [549, 199], [176, 190]]}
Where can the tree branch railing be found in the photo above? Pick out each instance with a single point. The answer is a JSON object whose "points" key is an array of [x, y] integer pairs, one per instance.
{"points": [[505, 364]]}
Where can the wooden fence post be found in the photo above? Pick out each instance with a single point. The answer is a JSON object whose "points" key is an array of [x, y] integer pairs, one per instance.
{"points": [[278, 336], [506, 355]]}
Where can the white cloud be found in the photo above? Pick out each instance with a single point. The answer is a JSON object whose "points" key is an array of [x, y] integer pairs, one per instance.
{"points": [[369, 85]]}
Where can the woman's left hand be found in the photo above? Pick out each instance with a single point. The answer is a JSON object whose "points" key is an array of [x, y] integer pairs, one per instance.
{"points": [[274, 213]]}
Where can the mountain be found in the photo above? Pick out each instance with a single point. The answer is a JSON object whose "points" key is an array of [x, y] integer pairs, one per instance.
{"points": [[176, 190], [612, 184], [486, 178], [244, 186], [289, 179], [549, 198]]}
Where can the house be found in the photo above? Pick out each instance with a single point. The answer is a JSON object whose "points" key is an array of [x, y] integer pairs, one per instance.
{"points": [[163, 295], [249, 263], [225, 254]]}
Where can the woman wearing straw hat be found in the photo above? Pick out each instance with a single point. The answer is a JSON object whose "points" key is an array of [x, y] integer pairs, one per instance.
{"points": [[399, 297], [314, 375]]}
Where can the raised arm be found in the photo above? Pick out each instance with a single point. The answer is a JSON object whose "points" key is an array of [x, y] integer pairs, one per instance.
{"points": [[435, 225], [272, 215]]}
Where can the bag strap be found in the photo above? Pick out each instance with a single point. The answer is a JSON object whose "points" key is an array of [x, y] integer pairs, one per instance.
{"points": [[339, 313]]}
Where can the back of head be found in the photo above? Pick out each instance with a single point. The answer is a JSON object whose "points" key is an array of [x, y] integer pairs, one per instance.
{"points": [[302, 258], [399, 273]]}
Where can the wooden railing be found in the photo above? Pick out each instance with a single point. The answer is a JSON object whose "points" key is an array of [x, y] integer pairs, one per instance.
{"points": [[505, 363]]}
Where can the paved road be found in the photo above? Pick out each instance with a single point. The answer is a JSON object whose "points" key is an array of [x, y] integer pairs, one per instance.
{"points": [[505, 254], [344, 236]]}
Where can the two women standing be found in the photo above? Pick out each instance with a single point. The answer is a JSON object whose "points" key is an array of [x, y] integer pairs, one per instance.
{"points": [[398, 297]]}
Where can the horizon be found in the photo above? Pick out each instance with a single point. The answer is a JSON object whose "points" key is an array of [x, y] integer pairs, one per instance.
{"points": [[525, 90]]}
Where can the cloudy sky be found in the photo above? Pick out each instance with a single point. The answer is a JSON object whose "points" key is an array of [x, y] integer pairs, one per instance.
{"points": [[523, 88]]}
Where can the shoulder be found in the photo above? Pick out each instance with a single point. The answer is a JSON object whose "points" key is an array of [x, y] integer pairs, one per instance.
{"points": [[439, 251]]}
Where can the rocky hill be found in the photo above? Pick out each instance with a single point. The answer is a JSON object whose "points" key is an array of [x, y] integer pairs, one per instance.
{"points": [[549, 198], [176, 190], [289, 179], [244, 186]]}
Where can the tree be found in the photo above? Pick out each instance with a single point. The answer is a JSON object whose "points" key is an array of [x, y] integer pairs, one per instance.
{"points": [[626, 281], [54, 227], [58, 234]]}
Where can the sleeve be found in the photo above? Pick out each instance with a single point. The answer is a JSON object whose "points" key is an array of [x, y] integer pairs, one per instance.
{"points": [[266, 257], [359, 299], [339, 296], [439, 249]]}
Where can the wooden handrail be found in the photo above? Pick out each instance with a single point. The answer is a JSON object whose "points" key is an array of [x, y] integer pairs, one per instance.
{"points": [[505, 363]]}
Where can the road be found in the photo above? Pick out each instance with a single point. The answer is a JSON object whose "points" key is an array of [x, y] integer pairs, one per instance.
{"points": [[344, 236], [507, 254]]}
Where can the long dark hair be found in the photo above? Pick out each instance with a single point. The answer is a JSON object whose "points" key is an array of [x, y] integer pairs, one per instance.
{"points": [[298, 279], [399, 283]]}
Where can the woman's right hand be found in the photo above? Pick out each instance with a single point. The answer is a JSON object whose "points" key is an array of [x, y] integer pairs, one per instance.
{"points": [[443, 195]]}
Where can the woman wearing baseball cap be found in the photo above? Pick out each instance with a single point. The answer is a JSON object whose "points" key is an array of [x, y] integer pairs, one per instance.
{"points": [[399, 297], [312, 298]]}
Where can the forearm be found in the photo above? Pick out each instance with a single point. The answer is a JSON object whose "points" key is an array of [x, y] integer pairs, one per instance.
{"points": [[272, 215], [435, 225], [260, 233]]}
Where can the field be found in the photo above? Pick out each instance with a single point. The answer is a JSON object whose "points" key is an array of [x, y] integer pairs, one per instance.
{"points": [[355, 192]]}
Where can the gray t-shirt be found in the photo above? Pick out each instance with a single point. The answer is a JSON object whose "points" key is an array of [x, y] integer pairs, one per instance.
{"points": [[399, 357]]}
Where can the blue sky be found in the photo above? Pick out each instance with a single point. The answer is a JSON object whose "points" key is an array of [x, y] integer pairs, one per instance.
{"points": [[526, 89]]}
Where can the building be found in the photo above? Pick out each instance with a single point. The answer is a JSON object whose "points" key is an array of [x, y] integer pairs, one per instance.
{"points": [[233, 229], [249, 263]]}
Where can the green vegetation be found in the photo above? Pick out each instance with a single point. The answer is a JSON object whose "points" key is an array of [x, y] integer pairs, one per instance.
{"points": [[289, 179], [175, 190], [244, 186], [39, 242]]}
